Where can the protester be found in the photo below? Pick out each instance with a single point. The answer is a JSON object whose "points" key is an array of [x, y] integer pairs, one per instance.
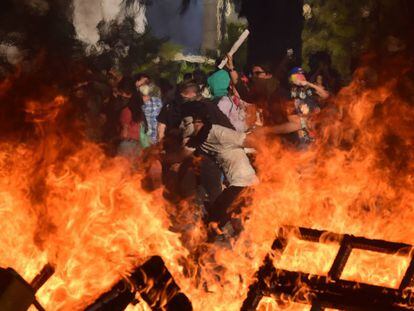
{"points": [[152, 106], [305, 96], [259, 90], [270, 100], [193, 102], [226, 147], [232, 106], [132, 122], [113, 105]]}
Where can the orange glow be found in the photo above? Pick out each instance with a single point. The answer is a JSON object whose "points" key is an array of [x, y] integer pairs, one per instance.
{"points": [[63, 201], [270, 304], [307, 257], [375, 268]]}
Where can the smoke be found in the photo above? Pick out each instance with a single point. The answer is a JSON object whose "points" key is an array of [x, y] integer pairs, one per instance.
{"points": [[87, 15]]}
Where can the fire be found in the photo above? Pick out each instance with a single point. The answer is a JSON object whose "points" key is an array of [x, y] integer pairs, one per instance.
{"points": [[300, 255], [87, 216], [375, 268], [63, 202]]}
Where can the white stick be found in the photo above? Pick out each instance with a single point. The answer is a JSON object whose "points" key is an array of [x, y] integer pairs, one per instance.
{"points": [[235, 47]]}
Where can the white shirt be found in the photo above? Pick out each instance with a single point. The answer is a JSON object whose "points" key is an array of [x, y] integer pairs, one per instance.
{"points": [[227, 147], [236, 114]]}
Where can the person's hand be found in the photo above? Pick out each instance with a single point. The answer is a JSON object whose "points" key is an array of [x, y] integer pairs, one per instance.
{"points": [[230, 64], [303, 83], [255, 138]]}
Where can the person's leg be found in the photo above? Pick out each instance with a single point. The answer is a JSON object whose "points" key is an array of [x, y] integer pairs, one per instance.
{"points": [[220, 210], [210, 178], [187, 179]]}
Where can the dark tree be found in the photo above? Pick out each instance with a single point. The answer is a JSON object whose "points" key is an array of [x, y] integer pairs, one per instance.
{"points": [[276, 26]]}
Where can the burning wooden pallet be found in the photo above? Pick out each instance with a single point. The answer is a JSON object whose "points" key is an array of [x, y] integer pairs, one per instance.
{"points": [[18, 295], [152, 281], [155, 286], [158, 289], [331, 291]]}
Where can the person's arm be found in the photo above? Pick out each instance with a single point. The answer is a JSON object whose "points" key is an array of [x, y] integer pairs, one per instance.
{"points": [[322, 93], [233, 73], [294, 124], [286, 128], [161, 127], [255, 138]]}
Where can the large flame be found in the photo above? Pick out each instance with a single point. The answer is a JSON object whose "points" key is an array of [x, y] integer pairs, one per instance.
{"points": [[66, 203]]}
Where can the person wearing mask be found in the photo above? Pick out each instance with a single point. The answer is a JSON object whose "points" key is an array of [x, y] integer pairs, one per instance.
{"points": [[193, 102], [232, 106], [305, 96], [226, 147], [263, 91], [152, 104]]}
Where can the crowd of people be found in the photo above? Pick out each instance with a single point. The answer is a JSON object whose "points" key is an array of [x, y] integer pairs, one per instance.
{"points": [[197, 139]]}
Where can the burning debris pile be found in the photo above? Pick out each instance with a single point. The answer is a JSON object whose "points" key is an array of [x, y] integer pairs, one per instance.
{"points": [[330, 290]]}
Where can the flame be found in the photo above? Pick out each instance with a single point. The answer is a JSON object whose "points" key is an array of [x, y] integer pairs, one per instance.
{"points": [[63, 201], [314, 257]]}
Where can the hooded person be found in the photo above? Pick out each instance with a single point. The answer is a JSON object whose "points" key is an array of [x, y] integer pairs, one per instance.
{"points": [[219, 83], [232, 107], [179, 117]]}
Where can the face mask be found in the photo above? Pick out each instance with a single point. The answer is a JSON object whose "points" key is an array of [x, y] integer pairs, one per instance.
{"points": [[265, 86], [145, 89], [297, 78], [190, 99]]}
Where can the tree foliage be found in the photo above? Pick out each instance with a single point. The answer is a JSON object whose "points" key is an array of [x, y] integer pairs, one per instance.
{"points": [[348, 28], [336, 26]]}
